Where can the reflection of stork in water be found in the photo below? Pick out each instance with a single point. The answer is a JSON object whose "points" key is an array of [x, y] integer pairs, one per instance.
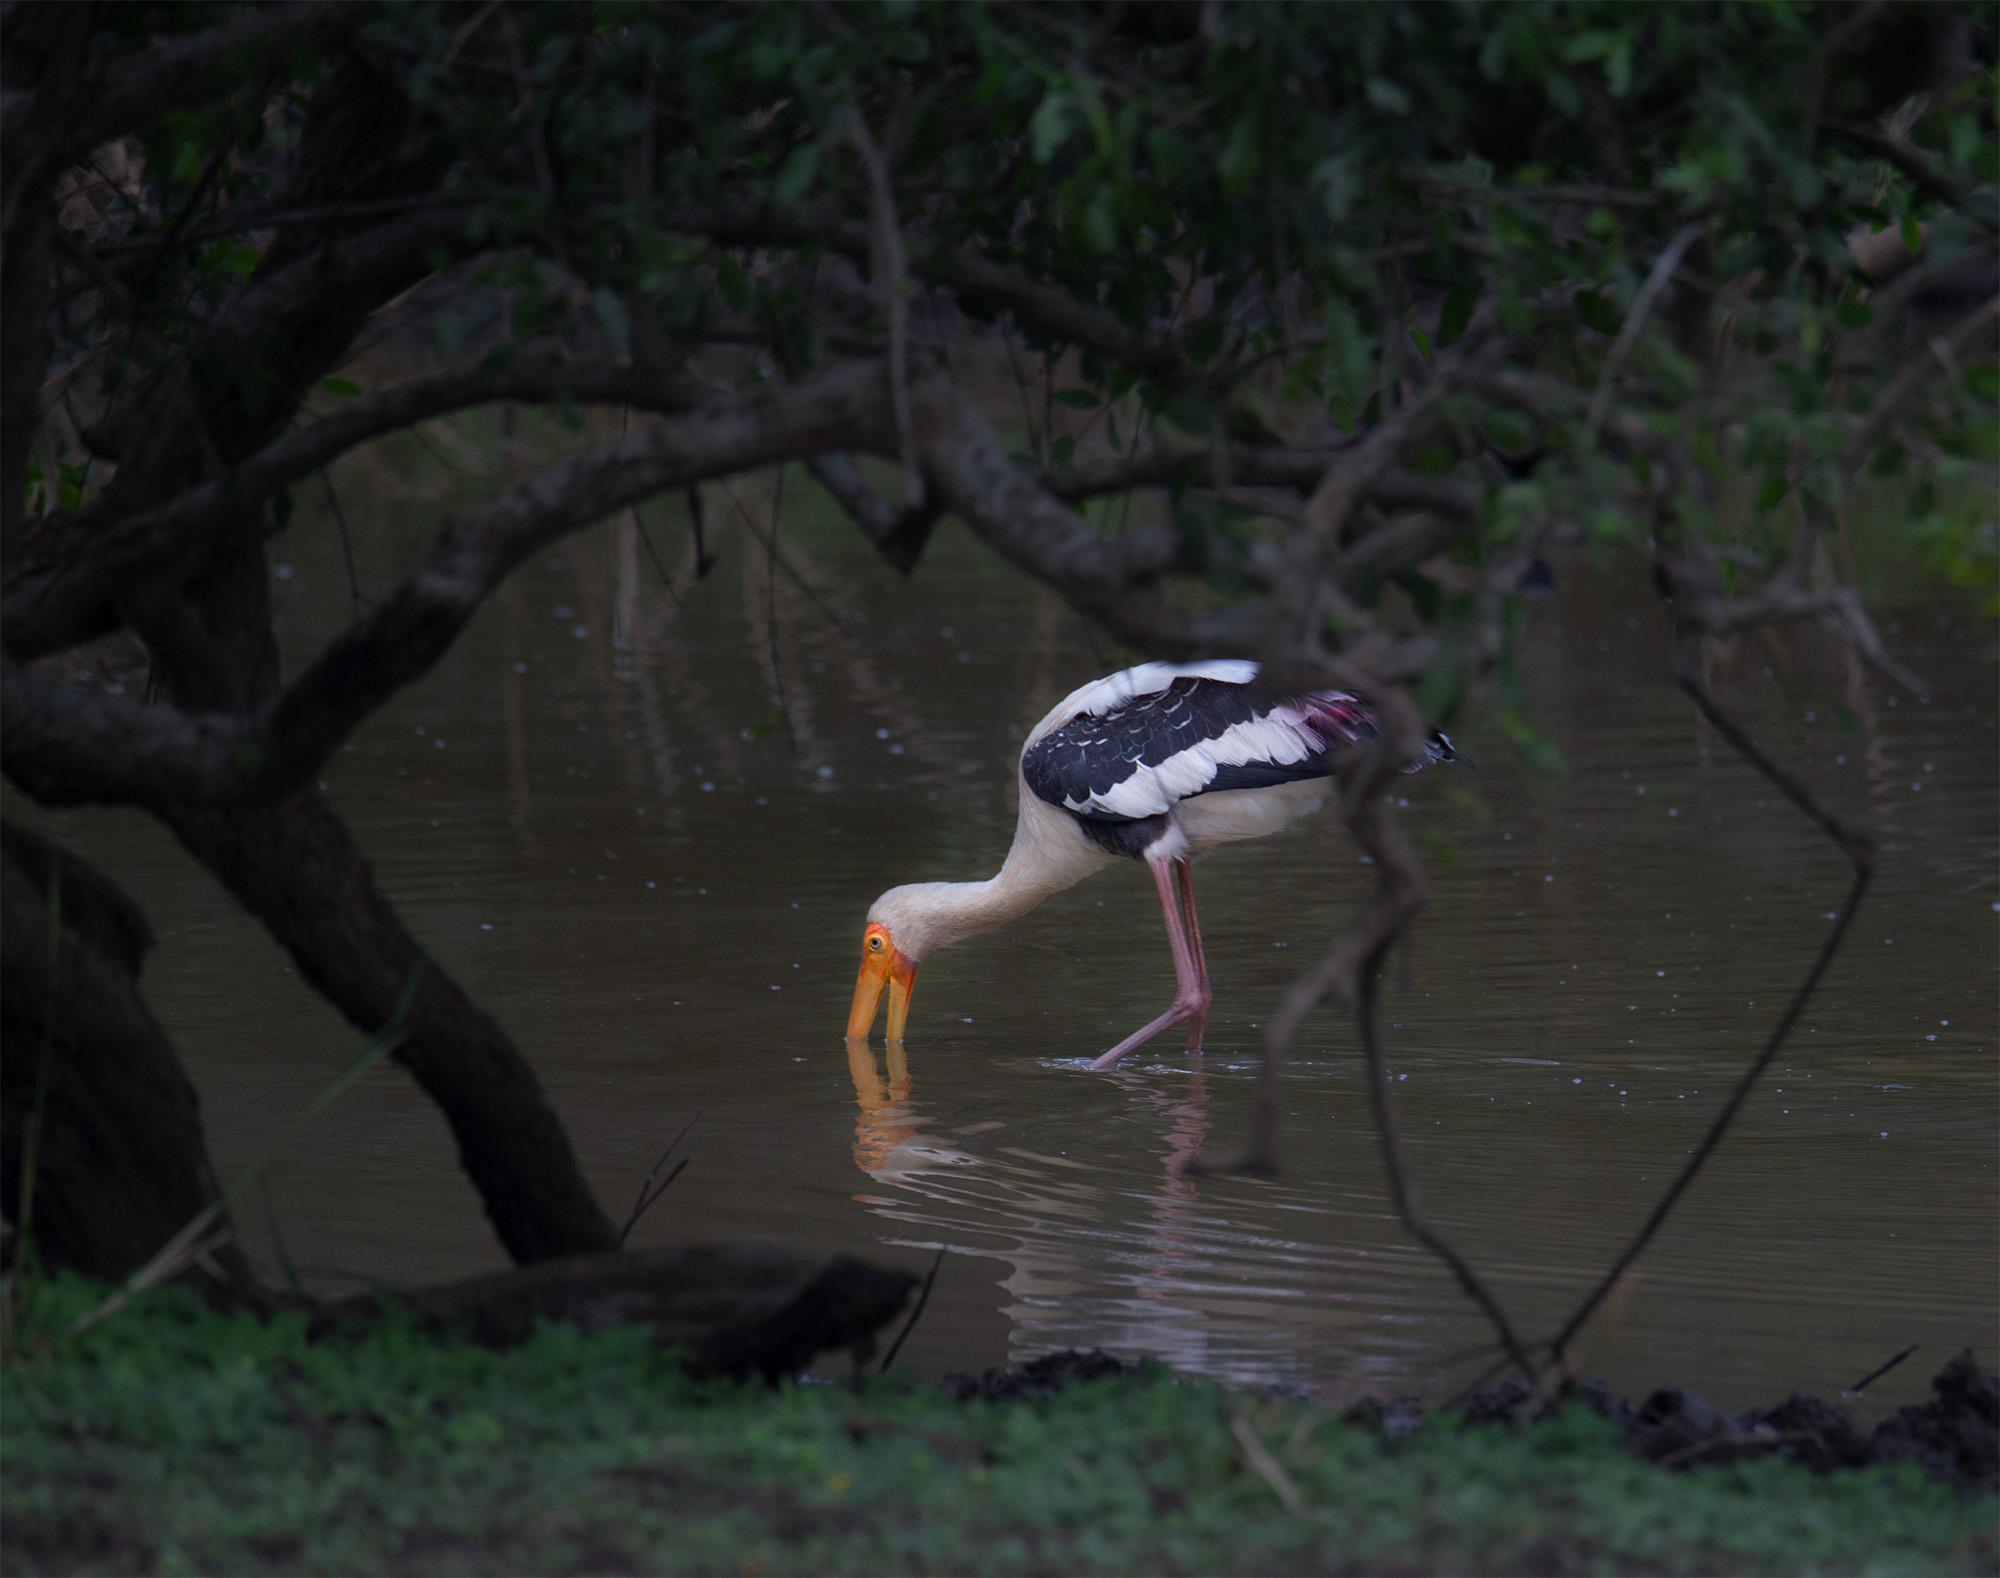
{"points": [[879, 1130], [1155, 763]]}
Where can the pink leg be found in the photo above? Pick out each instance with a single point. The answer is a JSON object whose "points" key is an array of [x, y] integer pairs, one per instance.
{"points": [[1191, 997], [1184, 883]]}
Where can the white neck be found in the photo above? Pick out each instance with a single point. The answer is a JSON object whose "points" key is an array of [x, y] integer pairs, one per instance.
{"points": [[1048, 855]]}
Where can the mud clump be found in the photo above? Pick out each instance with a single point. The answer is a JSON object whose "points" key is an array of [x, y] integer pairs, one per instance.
{"points": [[1955, 1436], [1042, 1377]]}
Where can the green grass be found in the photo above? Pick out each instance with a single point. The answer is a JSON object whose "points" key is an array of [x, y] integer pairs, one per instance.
{"points": [[176, 1440]]}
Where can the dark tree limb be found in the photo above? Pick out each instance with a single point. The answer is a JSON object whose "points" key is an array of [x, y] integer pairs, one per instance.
{"points": [[1299, 469], [295, 866], [901, 534], [1859, 849], [25, 261], [70, 746], [1971, 335], [739, 1309], [999, 287], [135, 88], [39, 595], [1111, 579], [122, 1161], [1924, 175], [1349, 972], [1402, 1183]]}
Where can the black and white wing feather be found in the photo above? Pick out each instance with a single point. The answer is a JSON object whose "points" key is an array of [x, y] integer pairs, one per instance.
{"points": [[1135, 744]]}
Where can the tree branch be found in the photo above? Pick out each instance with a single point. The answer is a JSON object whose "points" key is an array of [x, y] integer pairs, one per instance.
{"points": [[70, 746], [900, 534], [73, 562], [1971, 334], [136, 88], [1000, 287], [1859, 849]]}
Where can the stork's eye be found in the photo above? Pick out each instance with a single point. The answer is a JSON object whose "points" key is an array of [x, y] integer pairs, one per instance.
{"points": [[875, 943]]}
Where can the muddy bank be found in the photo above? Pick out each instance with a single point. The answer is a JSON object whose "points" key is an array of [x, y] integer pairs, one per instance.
{"points": [[1955, 1436]]}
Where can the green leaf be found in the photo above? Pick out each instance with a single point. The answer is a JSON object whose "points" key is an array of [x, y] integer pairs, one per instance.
{"points": [[1423, 341], [1453, 317], [1508, 430], [1913, 236], [1597, 311], [612, 316], [346, 388], [773, 719], [1386, 95], [1590, 44], [1439, 849], [1536, 748], [1049, 129], [795, 176], [1206, 339], [1240, 157], [730, 281], [1076, 399]]}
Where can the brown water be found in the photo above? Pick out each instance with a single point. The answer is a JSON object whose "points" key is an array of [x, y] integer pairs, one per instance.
{"points": [[591, 816]]}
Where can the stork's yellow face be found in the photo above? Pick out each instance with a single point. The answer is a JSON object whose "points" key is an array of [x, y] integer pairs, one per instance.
{"points": [[881, 965]]}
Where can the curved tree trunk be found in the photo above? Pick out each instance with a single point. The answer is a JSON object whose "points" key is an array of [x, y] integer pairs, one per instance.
{"points": [[295, 866], [123, 1165]]}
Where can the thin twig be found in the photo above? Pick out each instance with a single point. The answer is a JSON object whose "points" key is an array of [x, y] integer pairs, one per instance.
{"points": [[891, 271], [26, 1260], [1634, 325], [653, 553], [346, 545], [1860, 851], [782, 562], [209, 1228], [644, 1203], [1268, 1467], [910, 1325], [1402, 1188], [1879, 1371], [704, 561]]}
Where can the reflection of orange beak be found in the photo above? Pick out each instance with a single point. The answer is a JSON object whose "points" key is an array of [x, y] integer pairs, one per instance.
{"points": [[881, 965]]}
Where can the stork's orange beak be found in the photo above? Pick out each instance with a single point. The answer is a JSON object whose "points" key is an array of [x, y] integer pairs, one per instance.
{"points": [[881, 965]]}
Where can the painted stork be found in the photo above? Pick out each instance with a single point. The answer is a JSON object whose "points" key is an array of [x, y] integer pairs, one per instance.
{"points": [[1156, 763]]}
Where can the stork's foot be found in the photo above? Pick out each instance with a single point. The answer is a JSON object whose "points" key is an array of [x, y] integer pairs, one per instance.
{"points": [[1194, 1011]]}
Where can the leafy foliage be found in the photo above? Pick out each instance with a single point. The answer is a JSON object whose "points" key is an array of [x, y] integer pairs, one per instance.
{"points": [[1249, 225]]}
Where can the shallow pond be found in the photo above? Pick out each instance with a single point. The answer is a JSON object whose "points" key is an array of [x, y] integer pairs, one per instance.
{"points": [[595, 815]]}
